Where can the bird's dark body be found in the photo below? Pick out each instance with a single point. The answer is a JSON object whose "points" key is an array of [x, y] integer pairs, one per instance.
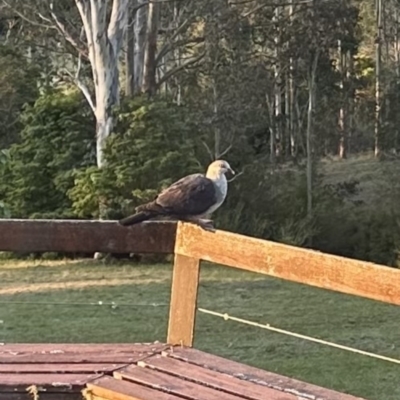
{"points": [[191, 196]]}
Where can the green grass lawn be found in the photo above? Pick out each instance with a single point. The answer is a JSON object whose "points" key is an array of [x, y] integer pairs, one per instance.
{"points": [[58, 302]]}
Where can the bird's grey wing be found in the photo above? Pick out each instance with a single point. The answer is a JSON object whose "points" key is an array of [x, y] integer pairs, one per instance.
{"points": [[179, 182], [191, 195]]}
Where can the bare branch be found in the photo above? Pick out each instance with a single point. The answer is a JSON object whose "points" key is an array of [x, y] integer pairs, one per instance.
{"points": [[84, 13], [236, 176], [84, 89], [145, 3], [60, 26], [80, 84], [168, 46], [208, 150], [180, 43], [22, 16], [178, 68], [225, 151], [45, 18], [270, 4]]}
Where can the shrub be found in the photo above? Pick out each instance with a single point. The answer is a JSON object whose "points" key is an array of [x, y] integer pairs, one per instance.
{"points": [[56, 139], [18, 82]]}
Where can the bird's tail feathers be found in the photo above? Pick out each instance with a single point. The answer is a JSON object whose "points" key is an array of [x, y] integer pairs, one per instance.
{"points": [[136, 218], [150, 207], [143, 213]]}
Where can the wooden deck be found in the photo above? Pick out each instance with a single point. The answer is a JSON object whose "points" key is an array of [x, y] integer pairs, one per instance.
{"points": [[152, 371]]}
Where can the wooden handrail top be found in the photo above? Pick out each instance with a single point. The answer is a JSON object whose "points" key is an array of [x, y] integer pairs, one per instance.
{"points": [[83, 236]]}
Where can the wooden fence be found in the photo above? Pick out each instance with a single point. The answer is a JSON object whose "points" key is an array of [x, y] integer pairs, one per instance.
{"points": [[191, 244]]}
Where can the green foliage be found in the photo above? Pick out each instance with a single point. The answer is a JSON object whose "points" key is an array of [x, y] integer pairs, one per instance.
{"points": [[18, 82], [357, 233], [51, 172], [38, 171], [153, 144]]}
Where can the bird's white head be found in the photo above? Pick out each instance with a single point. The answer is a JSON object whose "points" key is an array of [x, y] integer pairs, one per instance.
{"points": [[218, 169]]}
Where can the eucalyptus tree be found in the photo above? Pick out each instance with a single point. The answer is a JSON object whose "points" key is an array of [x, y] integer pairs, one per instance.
{"points": [[94, 31]]}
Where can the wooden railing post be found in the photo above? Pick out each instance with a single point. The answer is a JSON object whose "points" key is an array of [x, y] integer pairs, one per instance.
{"points": [[182, 314]]}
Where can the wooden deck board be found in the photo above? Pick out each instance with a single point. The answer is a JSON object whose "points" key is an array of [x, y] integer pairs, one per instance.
{"points": [[255, 375], [57, 382], [62, 371], [175, 385], [216, 380], [153, 371], [65, 368], [109, 388], [79, 353]]}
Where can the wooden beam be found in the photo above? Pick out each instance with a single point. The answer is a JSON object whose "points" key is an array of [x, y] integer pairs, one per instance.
{"points": [[292, 263], [79, 236], [182, 314]]}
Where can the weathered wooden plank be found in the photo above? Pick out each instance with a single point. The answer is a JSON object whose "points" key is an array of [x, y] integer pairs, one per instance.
{"points": [[182, 314], [114, 389], [292, 263], [42, 396], [70, 358], [50, 382], [77, 353], [213, 379], [75, 368], [86, 236], [171, 384], [55, 348], [255, 375]]}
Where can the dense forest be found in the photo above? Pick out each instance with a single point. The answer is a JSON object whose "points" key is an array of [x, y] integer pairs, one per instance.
{"points": [[102, 103]]}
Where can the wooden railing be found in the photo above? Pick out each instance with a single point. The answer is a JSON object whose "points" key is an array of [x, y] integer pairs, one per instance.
{"points": [[191, 244]]}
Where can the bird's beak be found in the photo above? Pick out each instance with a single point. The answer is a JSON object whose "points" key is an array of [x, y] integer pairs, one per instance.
{"points": [[231, 171]]}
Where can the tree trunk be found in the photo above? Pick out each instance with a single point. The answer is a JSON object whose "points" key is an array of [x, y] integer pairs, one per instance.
{"points": [[278, 85], [288, 150], [397, 60], [291, 93], [351, 100], [129, 55], [397, 43], [272, 128], [217, 133], [176, 54], [310, 132], [104, 46], [378, 79], [107, 97], [140, 48], [149, 73], [342, 110]]}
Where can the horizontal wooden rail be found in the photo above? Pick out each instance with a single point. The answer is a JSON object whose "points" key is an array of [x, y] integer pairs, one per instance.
{"points": [[296, 264], [78, 236]]}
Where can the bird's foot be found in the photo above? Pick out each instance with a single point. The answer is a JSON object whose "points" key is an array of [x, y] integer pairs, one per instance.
{"points": [[206, 224]]}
